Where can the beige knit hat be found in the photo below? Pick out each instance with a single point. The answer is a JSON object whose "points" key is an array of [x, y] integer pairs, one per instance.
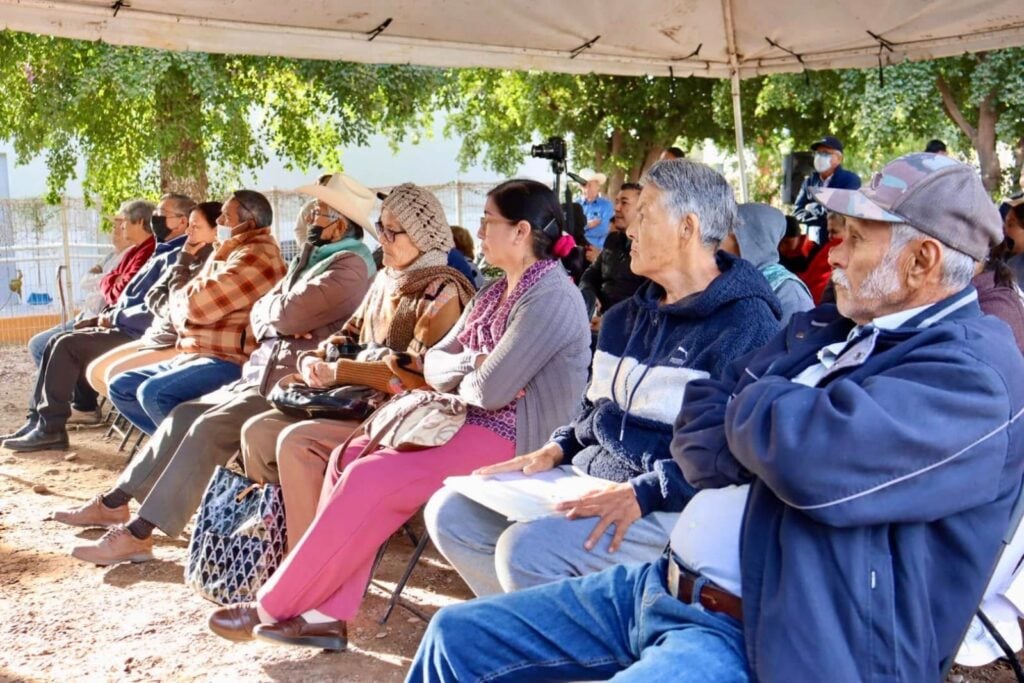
{"points": [[421, 215]]}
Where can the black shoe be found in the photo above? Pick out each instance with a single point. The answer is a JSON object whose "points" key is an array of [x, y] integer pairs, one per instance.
{"points": [[38, 440], [29, 425]]}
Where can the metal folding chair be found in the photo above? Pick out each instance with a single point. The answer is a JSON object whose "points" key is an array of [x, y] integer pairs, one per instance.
{"points": [[420, 544], [1016, 515]]}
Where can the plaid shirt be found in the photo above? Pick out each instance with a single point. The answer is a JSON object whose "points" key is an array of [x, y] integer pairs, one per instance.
{"points": [[210, 312]]}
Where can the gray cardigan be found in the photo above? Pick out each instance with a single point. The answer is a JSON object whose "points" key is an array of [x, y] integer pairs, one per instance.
{"points": [[545, 348]]}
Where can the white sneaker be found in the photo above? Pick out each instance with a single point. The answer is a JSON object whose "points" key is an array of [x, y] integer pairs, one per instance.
{"points": [[85, 418]]}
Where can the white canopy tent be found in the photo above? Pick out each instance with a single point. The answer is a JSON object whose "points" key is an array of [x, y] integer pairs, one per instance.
{"points": [[732, 39]]}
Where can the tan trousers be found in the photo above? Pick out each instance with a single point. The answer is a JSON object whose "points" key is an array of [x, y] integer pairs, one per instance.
{"points": [[122, 359], [278, 448]]}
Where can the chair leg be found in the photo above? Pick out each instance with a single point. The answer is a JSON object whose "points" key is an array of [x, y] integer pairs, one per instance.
{"points": [[127, 435], [397, 593], [114, 417], [411, 534], [376, 563], [138, 444]]}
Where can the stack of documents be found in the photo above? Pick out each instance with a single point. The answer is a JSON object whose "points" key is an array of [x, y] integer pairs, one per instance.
{"points": [[524, 498]]}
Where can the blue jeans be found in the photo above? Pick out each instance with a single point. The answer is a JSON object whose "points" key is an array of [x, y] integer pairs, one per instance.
{"points": [[620, 623], [494, 555], [148, 394], [37, 344]]}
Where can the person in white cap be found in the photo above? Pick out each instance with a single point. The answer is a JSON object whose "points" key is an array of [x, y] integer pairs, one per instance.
{"points": [[598, 210], [320, 291]]}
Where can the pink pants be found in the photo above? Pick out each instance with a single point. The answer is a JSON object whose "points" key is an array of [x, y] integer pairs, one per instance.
{"points": [[359, 509]]}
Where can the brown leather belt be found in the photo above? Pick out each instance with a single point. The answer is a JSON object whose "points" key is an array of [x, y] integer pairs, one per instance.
{"points": [[680, 585]]}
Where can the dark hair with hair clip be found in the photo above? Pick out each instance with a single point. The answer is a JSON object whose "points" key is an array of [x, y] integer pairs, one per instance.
{"points": [[997, 263], [535, 203]]}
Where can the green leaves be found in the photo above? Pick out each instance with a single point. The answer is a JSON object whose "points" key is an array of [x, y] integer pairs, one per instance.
{"points": [[147, 121]]}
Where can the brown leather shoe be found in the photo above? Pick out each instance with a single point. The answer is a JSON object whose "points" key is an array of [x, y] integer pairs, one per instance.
{"points": [[93, 513], [116, 546], [236, 622], [330, 636]]}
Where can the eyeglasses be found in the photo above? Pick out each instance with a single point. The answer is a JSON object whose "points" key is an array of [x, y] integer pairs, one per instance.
{"points": [[386, 234], [485, 220]]}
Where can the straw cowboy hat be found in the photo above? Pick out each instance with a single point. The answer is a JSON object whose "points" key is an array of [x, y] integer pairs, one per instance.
{"points": [[347, 195], [590, 174]]}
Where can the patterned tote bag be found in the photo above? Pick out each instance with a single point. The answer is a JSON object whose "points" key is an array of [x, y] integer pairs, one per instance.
{"points": [[239, 539]]}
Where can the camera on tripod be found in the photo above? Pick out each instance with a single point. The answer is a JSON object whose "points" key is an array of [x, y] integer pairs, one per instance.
{"points": [[554, 149]]}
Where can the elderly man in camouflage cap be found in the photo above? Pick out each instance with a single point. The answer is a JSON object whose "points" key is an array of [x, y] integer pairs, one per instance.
{"points": [[856, 476]]}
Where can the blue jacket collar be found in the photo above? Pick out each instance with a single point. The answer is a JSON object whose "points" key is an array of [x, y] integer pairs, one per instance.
{"points": [[170, 245]]}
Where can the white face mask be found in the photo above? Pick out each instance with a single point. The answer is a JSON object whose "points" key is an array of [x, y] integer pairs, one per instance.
{"points": [[822, 162], [224, 232]]}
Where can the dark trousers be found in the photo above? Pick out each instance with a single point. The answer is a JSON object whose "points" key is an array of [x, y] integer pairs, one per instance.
{"points": [[61, 375]]}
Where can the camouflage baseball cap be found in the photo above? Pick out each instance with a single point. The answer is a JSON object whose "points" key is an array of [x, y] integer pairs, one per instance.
{"points": [[935, 194]]}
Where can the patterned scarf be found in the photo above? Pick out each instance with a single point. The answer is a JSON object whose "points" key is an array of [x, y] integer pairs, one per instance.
{"points": [[393, 304], [489, 318]]}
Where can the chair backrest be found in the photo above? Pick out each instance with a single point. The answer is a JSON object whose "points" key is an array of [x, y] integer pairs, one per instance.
{"points": [[63, 298], [996, 608]]}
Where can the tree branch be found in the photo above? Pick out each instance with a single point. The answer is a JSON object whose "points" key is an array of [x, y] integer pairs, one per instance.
{"points": [[953, 110]]}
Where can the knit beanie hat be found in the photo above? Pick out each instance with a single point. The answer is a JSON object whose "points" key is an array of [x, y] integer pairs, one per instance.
{"points": [[422, 217]]}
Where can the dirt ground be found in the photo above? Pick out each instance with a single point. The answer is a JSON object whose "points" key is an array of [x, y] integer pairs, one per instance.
{"points": [[62, 620]]}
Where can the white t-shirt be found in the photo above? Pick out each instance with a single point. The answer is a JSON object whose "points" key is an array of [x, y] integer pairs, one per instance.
{"points": [[706, 539]]}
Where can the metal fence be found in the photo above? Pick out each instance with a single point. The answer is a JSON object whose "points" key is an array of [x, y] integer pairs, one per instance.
{"points": [[36, 238]]}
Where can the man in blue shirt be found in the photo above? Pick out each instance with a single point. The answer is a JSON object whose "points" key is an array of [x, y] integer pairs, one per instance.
{"points": [[828, 172], [598, 210]]}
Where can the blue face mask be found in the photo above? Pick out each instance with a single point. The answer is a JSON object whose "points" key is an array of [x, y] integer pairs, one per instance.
{"points": [[224, 232]]}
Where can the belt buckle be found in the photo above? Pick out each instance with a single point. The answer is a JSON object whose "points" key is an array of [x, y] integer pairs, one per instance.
{"points": [[673, 577]]}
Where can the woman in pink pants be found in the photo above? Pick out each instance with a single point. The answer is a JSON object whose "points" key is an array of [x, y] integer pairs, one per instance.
{"points": [[521, 376]]}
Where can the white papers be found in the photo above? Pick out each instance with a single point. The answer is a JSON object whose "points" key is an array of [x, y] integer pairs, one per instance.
{"points": [[524, 498]]}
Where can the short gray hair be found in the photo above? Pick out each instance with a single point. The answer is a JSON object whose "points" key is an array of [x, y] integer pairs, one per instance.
{"points": [[352, 229], [138, 210], [957, 267], [691, 187], [253, 205], [180, 203]]}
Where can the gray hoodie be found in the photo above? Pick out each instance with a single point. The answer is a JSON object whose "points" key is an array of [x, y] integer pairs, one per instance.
{"points": [[758, 233]]}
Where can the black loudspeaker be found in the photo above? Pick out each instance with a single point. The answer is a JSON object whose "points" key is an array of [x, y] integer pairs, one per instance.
{"points": [[795, 167]]}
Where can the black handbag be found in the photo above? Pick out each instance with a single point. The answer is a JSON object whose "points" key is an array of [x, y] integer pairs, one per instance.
{"points": [[295, 398]]}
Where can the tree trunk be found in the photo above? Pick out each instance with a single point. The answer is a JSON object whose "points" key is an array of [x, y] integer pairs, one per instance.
{"points": [[1018, 167], [988, 117], [179, 127], [617, 177], [982, 137], [649, 160]]}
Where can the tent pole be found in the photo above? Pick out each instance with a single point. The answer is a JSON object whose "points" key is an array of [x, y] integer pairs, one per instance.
{"points": [[737, 116], [737, 109]]}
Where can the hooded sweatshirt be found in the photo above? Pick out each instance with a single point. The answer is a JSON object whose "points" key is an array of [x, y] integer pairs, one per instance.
{"points": [[761, 228], [646, 354]]}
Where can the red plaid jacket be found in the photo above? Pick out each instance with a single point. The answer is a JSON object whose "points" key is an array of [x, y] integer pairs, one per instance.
{"points": [[210, 312]]}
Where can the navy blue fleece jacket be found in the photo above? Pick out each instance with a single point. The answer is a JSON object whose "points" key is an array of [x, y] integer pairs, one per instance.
{"points": [[646, 353]]}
